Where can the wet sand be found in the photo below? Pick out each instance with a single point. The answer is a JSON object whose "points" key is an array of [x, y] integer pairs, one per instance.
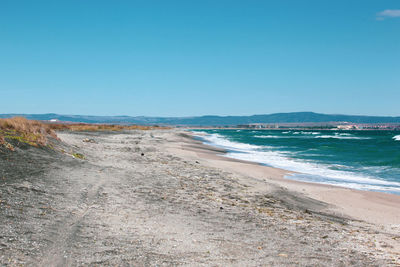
{"points": [[149, 198], [378, 208]]}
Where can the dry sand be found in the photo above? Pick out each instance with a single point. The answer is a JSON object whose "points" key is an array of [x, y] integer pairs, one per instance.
{"points": [[151, 198]]}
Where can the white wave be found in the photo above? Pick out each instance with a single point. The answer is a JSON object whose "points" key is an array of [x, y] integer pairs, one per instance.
{"points": [[200, 133], [342, 137], [397, 137], [302, 132], [307, 170], [359, 186], [285, 136], [220, 141], [270, 136], [343, 134], [312, 135], [310, 132], [278, 160]]}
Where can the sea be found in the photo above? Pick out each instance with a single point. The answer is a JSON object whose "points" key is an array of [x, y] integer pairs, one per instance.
{"points": [[364, 160]]}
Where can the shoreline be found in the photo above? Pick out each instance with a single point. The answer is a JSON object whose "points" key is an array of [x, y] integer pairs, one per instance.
{"points": [[298, 169], [158, 197], [379, 208]]}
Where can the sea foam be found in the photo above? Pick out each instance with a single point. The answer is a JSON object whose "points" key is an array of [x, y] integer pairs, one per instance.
{"points": [[397, 137], [309, 171], [271, 136], [339, 136], [218, 140]]}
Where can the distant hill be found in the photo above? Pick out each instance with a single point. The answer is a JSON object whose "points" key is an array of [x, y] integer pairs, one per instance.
{"points": [[293, 117]]}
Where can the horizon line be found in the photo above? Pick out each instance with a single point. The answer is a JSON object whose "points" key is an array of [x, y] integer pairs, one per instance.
{"points": [[204, 115]]}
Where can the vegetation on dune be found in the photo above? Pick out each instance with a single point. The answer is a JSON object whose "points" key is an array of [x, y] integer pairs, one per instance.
{"points": [[30, 132], [36, 133]]}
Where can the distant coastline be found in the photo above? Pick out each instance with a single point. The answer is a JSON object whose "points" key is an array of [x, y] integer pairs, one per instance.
{"points": [[293, 119], [397, 128]]}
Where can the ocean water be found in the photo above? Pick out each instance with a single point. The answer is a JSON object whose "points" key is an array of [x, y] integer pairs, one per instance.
{"points": [[365, 160]]}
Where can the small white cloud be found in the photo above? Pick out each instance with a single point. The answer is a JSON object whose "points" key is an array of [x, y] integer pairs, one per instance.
{"points": [[388, 13]]}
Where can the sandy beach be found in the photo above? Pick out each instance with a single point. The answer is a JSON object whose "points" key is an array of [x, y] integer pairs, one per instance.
{"points": [[159, 197], [377, 208]]}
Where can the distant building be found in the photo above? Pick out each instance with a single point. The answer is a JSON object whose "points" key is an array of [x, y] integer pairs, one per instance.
{"points": [[346, 127]]}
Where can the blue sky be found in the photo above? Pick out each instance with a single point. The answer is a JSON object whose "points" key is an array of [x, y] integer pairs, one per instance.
{"points": [[186, 58]]}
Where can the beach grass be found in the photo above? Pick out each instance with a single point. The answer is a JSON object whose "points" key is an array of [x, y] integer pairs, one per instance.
{"points": [[26, 131]]}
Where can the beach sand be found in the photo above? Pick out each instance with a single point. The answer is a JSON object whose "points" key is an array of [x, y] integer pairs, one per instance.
{"points": [[159, 197], [378, 208]]}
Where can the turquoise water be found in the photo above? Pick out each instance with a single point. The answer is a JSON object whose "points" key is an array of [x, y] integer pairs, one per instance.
{"points": [[366, 160]]}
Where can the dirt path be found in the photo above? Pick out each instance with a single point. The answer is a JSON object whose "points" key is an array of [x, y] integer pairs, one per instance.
{"points": [[132, 203]]}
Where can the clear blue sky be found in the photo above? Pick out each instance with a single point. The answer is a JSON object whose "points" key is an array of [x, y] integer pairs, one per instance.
{"points": [[196, 57]]}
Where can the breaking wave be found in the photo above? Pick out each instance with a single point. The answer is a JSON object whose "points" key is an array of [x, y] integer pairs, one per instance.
{"points": [[306, 170]]}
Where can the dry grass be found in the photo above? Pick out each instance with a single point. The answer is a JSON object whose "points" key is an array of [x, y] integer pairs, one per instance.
{"points": [[31, 132], [99, 127], [36, 133]]}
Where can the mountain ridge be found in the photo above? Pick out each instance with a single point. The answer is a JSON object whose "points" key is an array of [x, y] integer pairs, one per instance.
{"points": [[214, 120]]}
